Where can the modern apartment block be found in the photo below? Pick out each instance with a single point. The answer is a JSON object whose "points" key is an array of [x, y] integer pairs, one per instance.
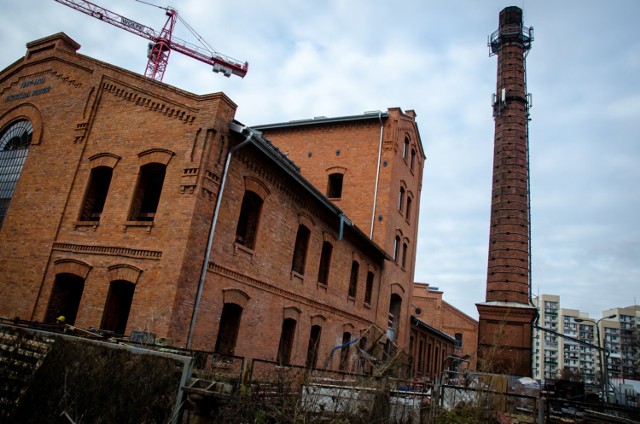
{"points": [[564, 344], [619, 334]]}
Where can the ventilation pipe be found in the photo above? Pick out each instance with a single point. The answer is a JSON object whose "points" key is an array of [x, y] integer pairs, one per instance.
{"points": [[203, 273]]}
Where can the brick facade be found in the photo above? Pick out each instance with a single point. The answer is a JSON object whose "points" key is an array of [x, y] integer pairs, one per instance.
{"points": [[443, 316], [381, 158], [92, 119]]}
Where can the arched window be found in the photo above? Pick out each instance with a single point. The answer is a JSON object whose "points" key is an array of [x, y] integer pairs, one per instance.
{"points": [[285, 347], [118, 306], [228, 329], [401, 199], [353, 278], [396, 248], [247, 228], [300, 249], [405, 150], [65, 298], [314, 346], [147, 194], [14, 146], [413, 159], [344, 351], [334, 186], [96, 194], [325, 262], [404, 255], [369, 288], [408, 211]]}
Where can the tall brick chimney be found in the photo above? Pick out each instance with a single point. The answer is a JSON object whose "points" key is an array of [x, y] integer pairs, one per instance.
{"points": [[504, 335]]}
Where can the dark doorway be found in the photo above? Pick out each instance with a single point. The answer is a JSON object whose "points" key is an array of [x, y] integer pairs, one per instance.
{"points": [[65, 298], [118, 306]]}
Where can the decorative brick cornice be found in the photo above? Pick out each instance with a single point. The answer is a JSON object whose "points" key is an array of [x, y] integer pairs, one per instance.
{"points": [[164, 106], [108, 250]]}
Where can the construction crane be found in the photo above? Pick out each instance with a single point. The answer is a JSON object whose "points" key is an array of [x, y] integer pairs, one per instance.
{"points": [[163, 42]]}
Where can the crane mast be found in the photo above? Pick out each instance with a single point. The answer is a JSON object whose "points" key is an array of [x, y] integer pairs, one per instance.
{"points": [[162, 43]]}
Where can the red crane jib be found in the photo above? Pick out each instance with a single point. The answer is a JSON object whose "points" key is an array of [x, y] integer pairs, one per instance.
{"points": [[162, 43]]}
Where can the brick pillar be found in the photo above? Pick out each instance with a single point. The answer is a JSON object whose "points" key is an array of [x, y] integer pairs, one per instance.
{"points": [[504, 333]]}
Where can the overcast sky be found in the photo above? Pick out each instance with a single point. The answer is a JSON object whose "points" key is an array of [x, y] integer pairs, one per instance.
{"points": [[345, 57]]}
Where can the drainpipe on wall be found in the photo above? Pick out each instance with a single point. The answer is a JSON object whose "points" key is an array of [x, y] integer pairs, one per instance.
{"points": [[375, 192], [207, 255]]}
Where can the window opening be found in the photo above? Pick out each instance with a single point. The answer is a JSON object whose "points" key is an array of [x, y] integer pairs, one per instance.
{"points": [[401, 199], [405, 151], [14, 146], [228, 329], [249, 219], [96, 195], [314, 345], [369, 288], [404, 255], [408, 213], [118, 306], [395, 304], [65, 298], [325, 262], [420, 357], [413, 159], [300, 250], [353, 278], [287, 336], [148, 190], [344, 351], [396, 249], [334, 187], [458, 340]]}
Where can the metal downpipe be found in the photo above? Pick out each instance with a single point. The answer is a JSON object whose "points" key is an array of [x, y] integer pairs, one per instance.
{"points": [[375, 192], [203, 272]]}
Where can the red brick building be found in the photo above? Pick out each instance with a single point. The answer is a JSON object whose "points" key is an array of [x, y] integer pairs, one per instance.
{"points": [[370, 166], [135, 206], [441, 315]]}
